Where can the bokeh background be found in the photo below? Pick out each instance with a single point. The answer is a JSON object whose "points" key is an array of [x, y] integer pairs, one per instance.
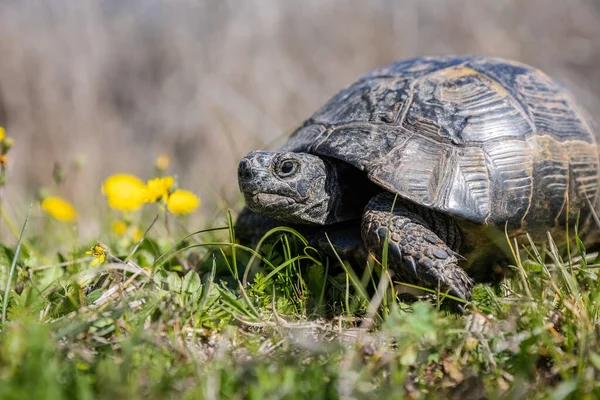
{"points": [[105, 86]]}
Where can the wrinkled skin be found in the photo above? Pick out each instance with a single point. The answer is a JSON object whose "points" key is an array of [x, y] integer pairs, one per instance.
{"points": [[308, 190], [300, 188], [286, 186]]}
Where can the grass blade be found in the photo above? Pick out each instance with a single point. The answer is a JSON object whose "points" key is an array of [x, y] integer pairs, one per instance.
{"points": [[12, 267]]}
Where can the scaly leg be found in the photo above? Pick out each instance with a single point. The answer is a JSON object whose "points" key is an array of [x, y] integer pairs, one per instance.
{"points": [[416, 253]]}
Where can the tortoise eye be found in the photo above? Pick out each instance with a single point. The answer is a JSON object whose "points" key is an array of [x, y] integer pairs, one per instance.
{"points": [[287, 168]]}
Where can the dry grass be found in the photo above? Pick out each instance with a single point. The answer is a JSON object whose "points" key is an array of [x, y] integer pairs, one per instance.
{"points": [[116, 83]]}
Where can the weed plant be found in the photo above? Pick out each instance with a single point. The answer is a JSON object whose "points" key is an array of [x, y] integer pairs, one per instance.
{"points": [[159, 312]]}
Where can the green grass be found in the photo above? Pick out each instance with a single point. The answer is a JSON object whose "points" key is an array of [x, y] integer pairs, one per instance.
{"points": [[206, 317]]}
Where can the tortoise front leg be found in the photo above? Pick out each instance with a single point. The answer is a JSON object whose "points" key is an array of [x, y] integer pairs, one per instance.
{"points": [[416, 254], [342, 239]]}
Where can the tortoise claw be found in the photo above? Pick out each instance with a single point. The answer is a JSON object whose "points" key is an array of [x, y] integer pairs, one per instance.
{"points": [[410, 263], [445, 275], [415, 253]]}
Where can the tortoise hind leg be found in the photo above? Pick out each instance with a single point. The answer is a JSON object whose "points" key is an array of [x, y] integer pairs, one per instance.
{"points": [[416, 253]]}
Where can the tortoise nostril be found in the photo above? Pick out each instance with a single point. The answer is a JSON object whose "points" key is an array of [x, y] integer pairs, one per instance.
{"points": [[244, 170]]}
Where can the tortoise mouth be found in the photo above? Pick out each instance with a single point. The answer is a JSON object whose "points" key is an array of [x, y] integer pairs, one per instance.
{"points": [[269, 201]]}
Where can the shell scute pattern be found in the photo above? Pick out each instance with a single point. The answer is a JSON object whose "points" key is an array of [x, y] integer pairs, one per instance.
{"points": [[466, 107], [303, 138], [583, 163], [386, 99], [363, 145], [417, 167], [551, 109], [551, 180], [510, 165], [487, 140], [355, 104], [430, 116], [468, 192], [415, 67]]}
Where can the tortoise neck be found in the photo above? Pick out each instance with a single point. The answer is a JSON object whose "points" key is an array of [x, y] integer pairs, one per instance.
{"points": [[349, 190]]}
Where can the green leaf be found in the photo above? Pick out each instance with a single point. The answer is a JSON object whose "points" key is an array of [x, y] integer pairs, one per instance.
{"points": [[589, 275], [581, 249], [6, 256], [563, 390], [174, 282], [191, 282], [595, 360], [580, 246], [93, 296]]}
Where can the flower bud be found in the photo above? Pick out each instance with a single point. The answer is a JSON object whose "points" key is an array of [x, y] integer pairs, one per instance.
{"points": [[7, 143]]}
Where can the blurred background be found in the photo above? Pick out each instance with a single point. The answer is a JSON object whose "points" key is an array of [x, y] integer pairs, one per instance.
{"points": [[105, 86]]}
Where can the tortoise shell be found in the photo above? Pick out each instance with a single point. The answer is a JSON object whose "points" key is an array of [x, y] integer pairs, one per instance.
{"points": [[487, 140]]}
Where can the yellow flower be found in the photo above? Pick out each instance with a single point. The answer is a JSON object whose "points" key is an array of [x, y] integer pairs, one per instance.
{"points": [[99, 251], [137, 234], [119, 227], [125, 192], [162, 162], [159, 188], [2, 133], [59, 209], [182, 202]]}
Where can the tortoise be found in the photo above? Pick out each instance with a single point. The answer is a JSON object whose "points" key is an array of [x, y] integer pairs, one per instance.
{"points": [[437, 157]]}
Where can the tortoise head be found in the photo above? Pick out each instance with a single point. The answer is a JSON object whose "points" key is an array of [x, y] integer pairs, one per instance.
{"points": [[292, 187]]}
